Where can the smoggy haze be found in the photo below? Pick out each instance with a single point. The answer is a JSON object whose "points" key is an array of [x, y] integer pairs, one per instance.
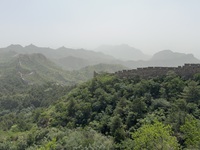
{"points": [[149, 25]]}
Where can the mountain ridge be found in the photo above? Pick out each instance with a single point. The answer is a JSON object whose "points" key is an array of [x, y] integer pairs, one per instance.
{"points": [[75, 59]]}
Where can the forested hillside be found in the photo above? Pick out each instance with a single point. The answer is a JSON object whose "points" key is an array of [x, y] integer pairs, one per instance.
{"points": [[29, 69], [104, 113]]}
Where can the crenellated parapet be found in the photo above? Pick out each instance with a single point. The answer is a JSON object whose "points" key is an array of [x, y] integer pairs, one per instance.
{"points": [[187, 71]]}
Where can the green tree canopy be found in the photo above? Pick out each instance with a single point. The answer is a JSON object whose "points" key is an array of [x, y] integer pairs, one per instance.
{"points": [[191, 132], [191, 93], [155, 136]]}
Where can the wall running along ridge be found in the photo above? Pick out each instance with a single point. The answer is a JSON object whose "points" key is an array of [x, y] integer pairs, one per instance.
{"points": [[186, 71]]}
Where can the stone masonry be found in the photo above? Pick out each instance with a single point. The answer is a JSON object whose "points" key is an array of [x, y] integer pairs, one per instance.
{"points": [[186, 71]]}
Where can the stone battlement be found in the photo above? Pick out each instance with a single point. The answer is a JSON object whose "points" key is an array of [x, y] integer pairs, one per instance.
{"points": [[186, 71]]}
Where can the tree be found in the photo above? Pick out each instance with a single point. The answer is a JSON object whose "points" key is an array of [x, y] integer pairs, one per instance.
{"points": [[172, 86], [117, 129], [191, 132], [51, 145], [155, 136], [139, 106], [122, 108], [191, 93]]}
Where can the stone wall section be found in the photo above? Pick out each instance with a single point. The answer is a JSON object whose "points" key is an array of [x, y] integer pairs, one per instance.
{"points": [[186, 71]]}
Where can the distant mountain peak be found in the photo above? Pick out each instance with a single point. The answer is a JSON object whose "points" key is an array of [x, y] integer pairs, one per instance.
{"points": [[168, 54], [123, 52], [62, 48], [14, 46], [31, 46], [166, 51]]}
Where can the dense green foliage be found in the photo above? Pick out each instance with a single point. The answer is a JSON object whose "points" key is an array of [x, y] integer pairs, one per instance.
{"points": [[155, 136], [104, 113]]}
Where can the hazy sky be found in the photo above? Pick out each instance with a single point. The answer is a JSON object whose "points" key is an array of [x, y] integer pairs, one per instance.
{"points": [[149, 25]]}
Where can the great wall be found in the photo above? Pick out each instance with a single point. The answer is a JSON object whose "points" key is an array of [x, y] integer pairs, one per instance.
{"points": [[186, 71]]}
